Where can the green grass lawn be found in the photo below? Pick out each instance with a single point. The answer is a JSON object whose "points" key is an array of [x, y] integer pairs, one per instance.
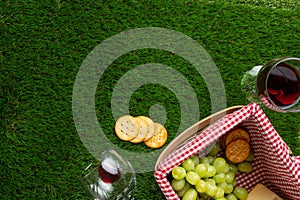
{"points": [[43, 44]]}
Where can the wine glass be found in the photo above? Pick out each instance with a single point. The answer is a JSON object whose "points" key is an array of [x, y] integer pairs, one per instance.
{"points": [[275, 84], [111, 178]]}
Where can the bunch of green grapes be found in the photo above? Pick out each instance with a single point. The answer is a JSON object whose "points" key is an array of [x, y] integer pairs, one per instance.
{"points": [[209, 178]]}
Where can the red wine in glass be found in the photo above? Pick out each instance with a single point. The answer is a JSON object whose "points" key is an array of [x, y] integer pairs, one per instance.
{"points": [[283, 85], [109, 171], [275, 84]]}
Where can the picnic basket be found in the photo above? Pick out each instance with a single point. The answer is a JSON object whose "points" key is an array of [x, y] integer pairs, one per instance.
{"points": [[273, 166]]}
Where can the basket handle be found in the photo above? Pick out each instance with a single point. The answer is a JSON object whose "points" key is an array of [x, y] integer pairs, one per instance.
{"points": [[191, 131]]}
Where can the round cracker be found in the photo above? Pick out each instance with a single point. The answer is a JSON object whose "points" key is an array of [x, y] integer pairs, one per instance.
{"points": [[222, 140], [143, 130], [151, 126], [125, 128], [159, 138], [237, 151], [236, 133]]}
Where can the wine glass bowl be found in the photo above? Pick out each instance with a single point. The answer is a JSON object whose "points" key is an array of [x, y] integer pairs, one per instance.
{"points": [[111, 178], [275, 84]]}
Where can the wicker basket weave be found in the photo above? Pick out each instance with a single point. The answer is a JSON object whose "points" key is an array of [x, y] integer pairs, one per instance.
{"points": [[273, 165]]}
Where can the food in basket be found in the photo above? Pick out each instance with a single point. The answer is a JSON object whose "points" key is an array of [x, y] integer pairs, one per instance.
{"points": [[201, 186], [201, 169], [240, 193], [191, 194], [250, 158], [245, 167], [261, 192], [188, 165], [183, 191], [178, 173], [219, 178], [215, 150], [196, 160], [178, 185], [238, 148], [236, 133], [231, 197], [211, 171], [141, 129], [237, 151], [192, 177], [212, 177], [219, 163]]}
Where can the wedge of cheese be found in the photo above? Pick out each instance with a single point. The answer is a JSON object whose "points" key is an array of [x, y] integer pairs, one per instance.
{"points": [[260, 192]]}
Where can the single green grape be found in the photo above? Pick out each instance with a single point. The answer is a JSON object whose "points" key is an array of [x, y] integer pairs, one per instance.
{"points": [[233, 168], [211, 189], [188, 165], [178, 173], [229, 177], [184, 189], [196, 160], [219, 163], [250, 158], [215, 150], [210, 159], [231, 197], [211, 181], [211, 171], [204, 160], [220, 193], [201, 186], [219, 178], [191, 194], [240, 193], [201, 170], [222, 185], [226, 168], [178, 185], [228, 189], [233, 182], [192, 177], [245, 167]]}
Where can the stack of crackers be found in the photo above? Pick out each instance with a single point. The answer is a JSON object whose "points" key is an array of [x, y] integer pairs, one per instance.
{"points": [[237, 145], [141, 129]]}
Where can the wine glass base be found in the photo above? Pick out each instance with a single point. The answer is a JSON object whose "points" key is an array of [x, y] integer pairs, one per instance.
{"points": [[254, 71], [248, 84]]}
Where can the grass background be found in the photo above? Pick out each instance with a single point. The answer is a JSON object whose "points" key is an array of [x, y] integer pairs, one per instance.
{"points": [[43, 44]]}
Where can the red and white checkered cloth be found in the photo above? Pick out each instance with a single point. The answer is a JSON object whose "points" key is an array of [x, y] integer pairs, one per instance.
{"points": [[273, 165]]}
